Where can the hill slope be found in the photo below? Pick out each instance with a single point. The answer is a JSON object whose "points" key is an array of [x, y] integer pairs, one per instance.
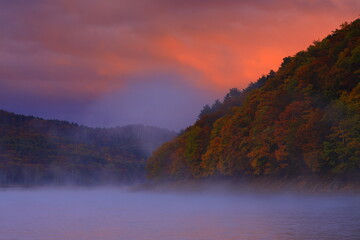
{"points": [[36, 151], [302, 120]]}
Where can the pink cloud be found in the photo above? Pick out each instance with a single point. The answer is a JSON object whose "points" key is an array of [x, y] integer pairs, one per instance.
{"points": [[91, 48]]}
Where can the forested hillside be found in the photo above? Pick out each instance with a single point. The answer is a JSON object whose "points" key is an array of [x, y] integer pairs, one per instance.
{"points": [[38, 151], [302, 120]]}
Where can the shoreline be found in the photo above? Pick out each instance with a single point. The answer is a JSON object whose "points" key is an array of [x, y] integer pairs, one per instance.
{"points": [[299, 185]]}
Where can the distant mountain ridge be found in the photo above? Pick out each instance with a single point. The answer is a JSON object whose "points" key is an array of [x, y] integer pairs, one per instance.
{"points": [[303, 120], [38, 151]]}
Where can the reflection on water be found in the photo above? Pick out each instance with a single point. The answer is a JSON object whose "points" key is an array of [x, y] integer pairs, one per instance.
{"points": [[112, 213]]}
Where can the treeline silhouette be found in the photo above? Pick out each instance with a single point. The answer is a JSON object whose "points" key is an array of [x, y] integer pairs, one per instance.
{"points": [[38, 151]]}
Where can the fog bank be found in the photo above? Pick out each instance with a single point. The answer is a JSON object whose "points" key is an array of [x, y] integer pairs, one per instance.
{"points": [[115, 213]]}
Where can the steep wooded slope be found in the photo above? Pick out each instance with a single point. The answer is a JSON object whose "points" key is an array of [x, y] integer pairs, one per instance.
{"points": [[302, 120]]}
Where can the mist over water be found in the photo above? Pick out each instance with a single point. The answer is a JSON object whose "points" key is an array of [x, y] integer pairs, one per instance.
{"points": [[116, 213]]}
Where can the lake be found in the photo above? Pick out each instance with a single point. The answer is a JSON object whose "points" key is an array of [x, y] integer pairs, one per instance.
{"points": [[113, 213]]}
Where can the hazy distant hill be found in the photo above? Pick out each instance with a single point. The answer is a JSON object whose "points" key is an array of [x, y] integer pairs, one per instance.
{"points": [[303, 120], [36, 151]]}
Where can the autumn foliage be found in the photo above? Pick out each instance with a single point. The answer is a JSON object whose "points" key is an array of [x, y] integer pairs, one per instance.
{"points": [[302, 120]]}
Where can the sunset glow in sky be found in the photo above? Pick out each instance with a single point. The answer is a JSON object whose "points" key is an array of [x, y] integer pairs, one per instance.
{"points": [[155, 62]]}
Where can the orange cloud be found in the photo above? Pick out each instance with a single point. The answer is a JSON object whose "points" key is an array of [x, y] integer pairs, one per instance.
{"points": [[93, 47]]}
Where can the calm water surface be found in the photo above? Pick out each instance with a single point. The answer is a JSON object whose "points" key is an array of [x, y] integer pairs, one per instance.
{"points": [[114, 213]]}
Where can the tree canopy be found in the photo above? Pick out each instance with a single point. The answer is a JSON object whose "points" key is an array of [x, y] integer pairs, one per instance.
{"points": [[303, 119]]}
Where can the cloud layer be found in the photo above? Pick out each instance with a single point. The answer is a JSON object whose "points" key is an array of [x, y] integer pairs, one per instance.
{"points": [[83, 51]]}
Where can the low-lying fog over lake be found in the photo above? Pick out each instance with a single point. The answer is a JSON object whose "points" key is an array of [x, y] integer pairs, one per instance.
{"points": [[119, 214]]}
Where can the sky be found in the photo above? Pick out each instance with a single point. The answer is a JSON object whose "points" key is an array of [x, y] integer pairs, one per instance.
{"points": [[109, 63]]}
